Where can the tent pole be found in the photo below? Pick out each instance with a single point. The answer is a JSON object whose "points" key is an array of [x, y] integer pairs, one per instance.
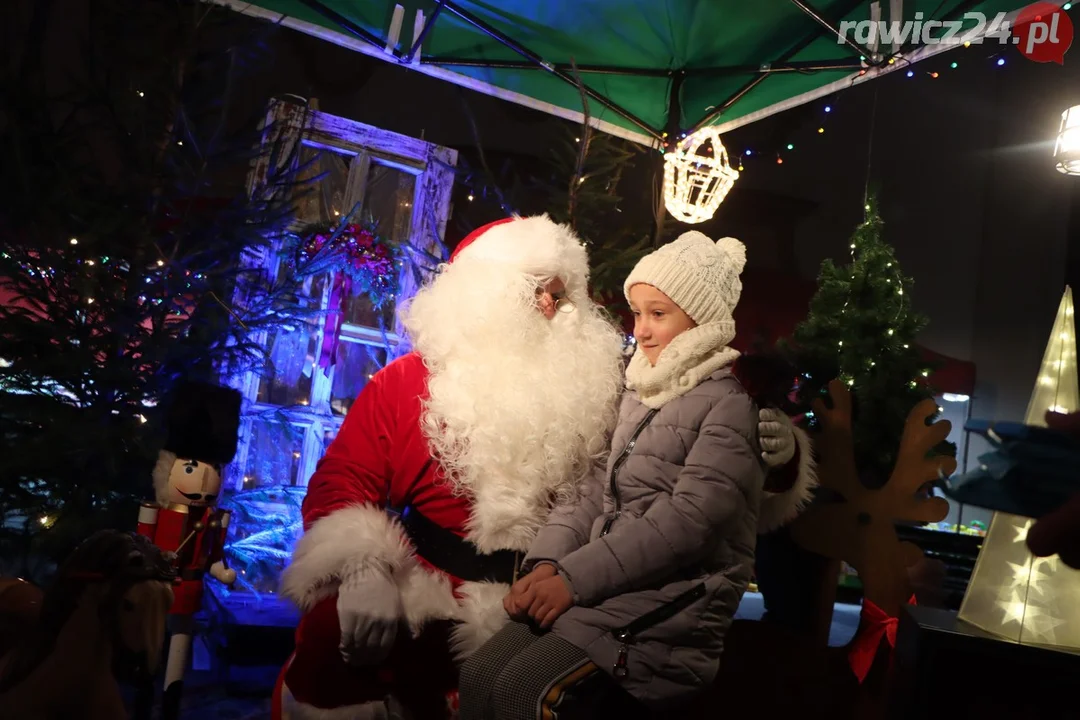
{"points": [[344, 22], [778, 67], [956, 12], [802, 45], [872, 58], [674, 125], [527, 65], [423, 33], [800, 66], [550, 67]]}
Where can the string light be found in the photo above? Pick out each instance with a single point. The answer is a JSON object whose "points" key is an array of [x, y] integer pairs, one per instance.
{"points": [[827, 109]]}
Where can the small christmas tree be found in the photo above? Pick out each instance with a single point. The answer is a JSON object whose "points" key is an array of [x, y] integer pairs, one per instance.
{"points": [[861, 329]]}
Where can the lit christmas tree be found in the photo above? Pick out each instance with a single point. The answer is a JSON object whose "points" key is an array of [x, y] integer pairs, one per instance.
{"points": [[861, 329], [123, 267], [1012, 593], [1056, 387]]}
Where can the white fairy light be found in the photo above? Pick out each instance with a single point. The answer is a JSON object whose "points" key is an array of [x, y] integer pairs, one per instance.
{"points": [[696, 182]]}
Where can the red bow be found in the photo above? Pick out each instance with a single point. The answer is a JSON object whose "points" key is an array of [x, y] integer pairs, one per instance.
{"points": [[874, 626]]}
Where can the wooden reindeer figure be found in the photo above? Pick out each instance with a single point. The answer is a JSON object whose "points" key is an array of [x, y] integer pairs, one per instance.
{"points": [[859, 527], [101, 622]]}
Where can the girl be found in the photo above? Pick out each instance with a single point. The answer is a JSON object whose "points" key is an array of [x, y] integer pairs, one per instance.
{"points": [[640, 579]]}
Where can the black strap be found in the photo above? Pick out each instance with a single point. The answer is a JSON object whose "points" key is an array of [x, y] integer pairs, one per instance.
{"points": [[451, 553]]}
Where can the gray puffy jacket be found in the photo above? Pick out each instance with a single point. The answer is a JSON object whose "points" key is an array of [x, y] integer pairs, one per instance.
{"points": [[660, 548]]}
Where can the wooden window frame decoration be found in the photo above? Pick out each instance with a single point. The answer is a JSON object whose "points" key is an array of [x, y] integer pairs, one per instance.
{"points": [[290, 124]]}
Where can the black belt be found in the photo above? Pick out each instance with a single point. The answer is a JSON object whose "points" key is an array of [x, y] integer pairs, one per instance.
{"points": [[455, 555]]}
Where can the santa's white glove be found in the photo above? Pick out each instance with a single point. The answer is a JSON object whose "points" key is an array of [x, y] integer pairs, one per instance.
{"points": [[369, 612], [777, 437]]}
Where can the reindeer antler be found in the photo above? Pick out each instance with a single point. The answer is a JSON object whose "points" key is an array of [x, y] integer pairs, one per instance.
{"points": [[859, 525], [914, 468]]}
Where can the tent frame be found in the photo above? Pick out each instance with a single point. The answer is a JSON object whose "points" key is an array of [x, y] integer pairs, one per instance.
{"points": [[867, 65], [567, 73]]}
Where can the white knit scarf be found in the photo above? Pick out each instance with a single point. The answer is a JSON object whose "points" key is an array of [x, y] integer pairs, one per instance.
{"points": [[692, 356]]}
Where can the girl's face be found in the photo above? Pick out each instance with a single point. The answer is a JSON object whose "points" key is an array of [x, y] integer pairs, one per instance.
{"points": [[657, 320]]}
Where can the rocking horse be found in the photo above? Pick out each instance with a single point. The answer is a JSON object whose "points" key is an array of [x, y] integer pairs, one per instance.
{"points": [[102, 622]]}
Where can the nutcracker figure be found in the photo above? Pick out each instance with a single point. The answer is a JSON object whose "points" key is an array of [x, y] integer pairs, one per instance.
{"points": [[204, 423]]}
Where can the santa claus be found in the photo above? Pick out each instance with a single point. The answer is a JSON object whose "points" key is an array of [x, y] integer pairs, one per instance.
{"points": [[446, 466]]}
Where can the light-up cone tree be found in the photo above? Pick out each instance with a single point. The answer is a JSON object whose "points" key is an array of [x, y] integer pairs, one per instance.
{"points": [[1013, 594]]}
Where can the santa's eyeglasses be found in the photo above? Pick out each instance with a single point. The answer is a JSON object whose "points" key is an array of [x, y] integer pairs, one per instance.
{"points": [[559, 299]]}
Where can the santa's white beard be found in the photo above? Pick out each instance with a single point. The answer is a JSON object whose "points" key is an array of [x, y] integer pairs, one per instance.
{"points": [[519, 406]]}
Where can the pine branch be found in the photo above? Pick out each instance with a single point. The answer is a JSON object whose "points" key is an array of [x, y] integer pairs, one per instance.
{"points": [[127, 274]]}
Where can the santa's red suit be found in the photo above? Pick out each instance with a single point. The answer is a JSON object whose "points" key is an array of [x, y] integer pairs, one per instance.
{"points": [[452, 540]]}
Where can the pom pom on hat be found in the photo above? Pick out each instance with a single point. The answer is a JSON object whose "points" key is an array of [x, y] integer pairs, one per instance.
{"points": [[699, 275], [735, 250]]}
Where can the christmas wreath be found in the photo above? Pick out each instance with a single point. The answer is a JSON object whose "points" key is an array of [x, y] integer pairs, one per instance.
{"points": [[367, 260], [359, 261]]}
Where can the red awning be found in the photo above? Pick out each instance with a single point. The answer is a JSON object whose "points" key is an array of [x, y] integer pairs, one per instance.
{"points": [[773, 303]]}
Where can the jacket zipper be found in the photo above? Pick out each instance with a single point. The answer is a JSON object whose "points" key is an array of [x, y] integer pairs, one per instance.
{"points": [[618, 466], [626, 635]]}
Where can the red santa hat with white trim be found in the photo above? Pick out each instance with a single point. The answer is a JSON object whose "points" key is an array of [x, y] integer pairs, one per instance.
{"points": [[531, 245]]}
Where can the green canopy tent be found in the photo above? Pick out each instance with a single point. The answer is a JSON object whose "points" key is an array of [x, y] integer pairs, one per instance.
{"points": [[652, 69]]}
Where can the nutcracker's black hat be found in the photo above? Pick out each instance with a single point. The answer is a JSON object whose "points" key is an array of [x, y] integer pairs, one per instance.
{"points": [[204, 422]]}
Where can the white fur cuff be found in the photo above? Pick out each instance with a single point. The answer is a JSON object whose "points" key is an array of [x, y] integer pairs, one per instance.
{"points": [[344, 539], [482, 615], [781, 508], [347, 539]]}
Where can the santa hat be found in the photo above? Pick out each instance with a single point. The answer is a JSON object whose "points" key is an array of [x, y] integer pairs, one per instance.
{"points": [[204, 423], [529, 245]]}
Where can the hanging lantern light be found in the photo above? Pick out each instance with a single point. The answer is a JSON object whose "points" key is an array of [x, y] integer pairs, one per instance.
{"points": [[697, 176], [1067, 148]]}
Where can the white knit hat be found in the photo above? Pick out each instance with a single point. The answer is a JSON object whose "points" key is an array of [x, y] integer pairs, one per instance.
{"points": [[699, 275]]}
